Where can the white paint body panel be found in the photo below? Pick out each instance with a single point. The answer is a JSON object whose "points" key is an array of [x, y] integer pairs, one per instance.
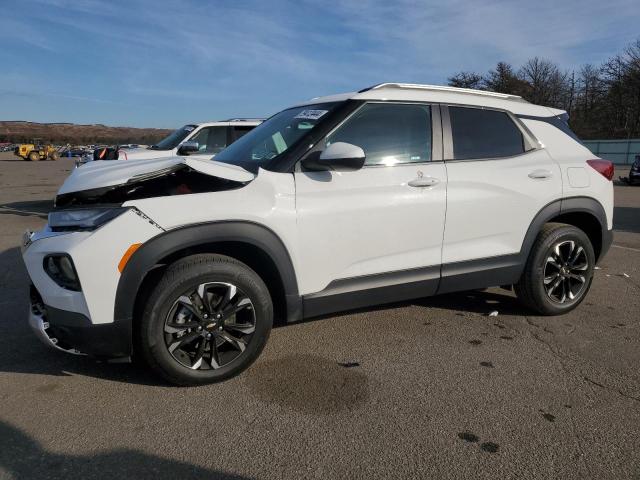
{"points": [[491, 203], [578, 177], [96, 256], [368, 221], [570, 154]]}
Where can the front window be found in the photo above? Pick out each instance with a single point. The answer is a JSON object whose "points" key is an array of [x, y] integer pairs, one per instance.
{"points": [[275, 136], [174, 138], [211, 140], [389, 134]]}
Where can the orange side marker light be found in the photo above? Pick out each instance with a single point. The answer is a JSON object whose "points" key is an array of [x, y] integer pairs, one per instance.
{"points": [[127, 255]]}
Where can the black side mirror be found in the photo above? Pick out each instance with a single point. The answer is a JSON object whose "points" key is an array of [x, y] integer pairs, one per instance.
{"points": [[339, 156], [188, 147]]}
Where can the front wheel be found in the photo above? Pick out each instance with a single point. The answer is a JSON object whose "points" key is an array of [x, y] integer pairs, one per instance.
{"points": [[207, 320], [34, 156], [559, 270]]}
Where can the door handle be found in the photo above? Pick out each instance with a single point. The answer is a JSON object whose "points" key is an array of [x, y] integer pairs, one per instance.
{"points": [[541, 174], [422, 182]]}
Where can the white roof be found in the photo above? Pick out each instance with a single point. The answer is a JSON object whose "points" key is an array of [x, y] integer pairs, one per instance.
{"points": [[442, 94]]}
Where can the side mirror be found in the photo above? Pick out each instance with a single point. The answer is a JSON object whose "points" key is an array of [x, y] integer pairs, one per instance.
{"points": [[339, 156], [188, 147]]}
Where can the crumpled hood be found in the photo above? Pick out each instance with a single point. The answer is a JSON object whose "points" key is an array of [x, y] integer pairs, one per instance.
{"points": [[100, 174], [138, 153]]}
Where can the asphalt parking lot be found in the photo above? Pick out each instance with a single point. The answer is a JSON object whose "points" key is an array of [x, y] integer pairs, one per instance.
{"points": [[429, 389]]}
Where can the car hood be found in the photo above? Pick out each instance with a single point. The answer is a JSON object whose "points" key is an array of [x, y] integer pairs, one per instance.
{"points": [[138, 153], [101, 174]]}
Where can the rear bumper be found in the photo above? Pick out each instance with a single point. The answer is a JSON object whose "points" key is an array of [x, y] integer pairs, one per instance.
{"points": [[74, 333]]}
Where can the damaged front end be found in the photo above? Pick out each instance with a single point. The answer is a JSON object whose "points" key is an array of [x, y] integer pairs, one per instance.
{"points": [[183, 178]]}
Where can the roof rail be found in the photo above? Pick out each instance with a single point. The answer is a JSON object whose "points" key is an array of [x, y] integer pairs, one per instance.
{"points": [[441, 88]]}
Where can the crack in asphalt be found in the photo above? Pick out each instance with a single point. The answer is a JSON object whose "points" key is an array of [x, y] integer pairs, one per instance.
{"points": [[555, 353], [611, 389]]}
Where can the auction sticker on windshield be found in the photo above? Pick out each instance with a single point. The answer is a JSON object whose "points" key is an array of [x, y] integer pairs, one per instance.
{"points": [[311, 114]]}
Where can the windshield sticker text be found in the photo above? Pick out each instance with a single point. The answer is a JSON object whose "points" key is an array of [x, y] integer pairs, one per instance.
{"points": [[311, 114]]}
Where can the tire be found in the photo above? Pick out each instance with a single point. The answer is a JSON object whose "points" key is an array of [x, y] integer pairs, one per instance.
{"points": [[219, 285], [54, 156], [559, 270], [34, 156]]}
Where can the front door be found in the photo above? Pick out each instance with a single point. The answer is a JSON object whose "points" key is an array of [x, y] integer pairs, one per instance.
{"points": [[378, 229]]}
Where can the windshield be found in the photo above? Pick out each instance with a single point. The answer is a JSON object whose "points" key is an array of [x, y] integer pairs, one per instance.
{"points": [[275, 136], [173, 140]]}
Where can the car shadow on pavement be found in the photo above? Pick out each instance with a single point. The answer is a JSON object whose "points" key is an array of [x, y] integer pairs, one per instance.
{"points": [[34, 208], [22, 457], [478, 301], [626, 219]]}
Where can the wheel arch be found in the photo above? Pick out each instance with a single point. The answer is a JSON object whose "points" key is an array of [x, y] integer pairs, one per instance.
{"points": [[585, 213], [251, 243]]}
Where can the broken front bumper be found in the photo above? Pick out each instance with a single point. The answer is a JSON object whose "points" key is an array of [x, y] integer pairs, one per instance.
{"points": [[42, 328], [72, 332]]}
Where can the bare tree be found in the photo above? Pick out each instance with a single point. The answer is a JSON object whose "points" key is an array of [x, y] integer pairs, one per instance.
{"points": [[546, 83], [466, 80], [504, 80]]}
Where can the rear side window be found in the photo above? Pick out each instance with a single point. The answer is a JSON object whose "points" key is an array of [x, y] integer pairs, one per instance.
{"points": [[389, 134], [481, 133]]}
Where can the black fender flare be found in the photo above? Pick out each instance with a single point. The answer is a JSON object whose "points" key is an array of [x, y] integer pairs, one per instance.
{"points": [[558, 207], [172, 241]]}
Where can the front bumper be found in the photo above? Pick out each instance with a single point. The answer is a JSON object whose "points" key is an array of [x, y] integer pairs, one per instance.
{"points": [[83, 321], [40, 325], [74, 333]]}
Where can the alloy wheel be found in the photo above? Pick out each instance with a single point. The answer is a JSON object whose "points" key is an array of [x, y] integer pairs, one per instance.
{"points": [[210, 326], [566, 271]]}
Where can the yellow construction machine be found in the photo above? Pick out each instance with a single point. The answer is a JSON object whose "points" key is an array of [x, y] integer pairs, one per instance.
{"points": [[36, 151]]}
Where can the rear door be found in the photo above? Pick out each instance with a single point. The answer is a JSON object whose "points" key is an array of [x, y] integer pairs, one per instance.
{"points": [[380, 226], [499, 178]]}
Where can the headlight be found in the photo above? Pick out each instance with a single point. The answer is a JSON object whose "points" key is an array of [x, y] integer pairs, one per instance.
{"points": [[83, 219]]}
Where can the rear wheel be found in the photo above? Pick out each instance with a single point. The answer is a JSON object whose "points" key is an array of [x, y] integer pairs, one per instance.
{"points": [[559, 271], [54, 156], [34, 156], [207, 320]]}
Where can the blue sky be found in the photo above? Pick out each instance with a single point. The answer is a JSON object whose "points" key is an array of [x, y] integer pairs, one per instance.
{"points": [[163, 63]]}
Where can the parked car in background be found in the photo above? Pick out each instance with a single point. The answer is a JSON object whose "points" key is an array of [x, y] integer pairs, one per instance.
{"points": [[391, 193], [129, 146], [7, 147], [634, 172], [73, 152], [200, 140]]}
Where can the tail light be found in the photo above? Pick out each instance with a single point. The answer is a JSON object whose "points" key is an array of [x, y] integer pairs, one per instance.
{"points": [[603, 167]]}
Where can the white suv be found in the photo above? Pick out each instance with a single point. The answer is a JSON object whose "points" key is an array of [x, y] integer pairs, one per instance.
{"points": [[202, 140], [391, 193]]}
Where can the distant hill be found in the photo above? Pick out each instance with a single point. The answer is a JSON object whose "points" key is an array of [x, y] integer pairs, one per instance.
{"points": [[63, 133]]}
